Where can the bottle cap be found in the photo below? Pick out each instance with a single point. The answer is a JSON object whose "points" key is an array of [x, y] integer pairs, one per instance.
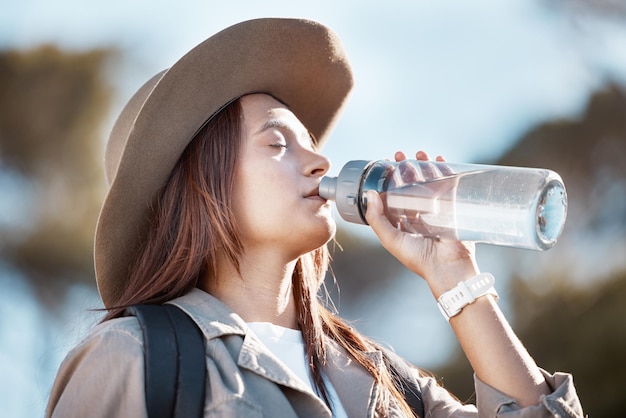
{"points": [[345, 190]]}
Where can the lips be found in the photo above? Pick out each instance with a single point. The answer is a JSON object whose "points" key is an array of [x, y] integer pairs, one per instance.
{"points": [[313, 194]]}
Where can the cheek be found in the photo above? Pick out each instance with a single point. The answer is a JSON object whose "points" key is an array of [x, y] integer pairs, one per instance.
{"points": [[261, 184], [257, 200]]}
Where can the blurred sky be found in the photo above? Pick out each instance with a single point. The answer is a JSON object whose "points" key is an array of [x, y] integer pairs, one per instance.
{"points": [[462, 79]]}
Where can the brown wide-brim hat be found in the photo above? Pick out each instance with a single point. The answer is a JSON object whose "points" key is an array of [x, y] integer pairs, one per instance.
{"points": [[299, 62]]}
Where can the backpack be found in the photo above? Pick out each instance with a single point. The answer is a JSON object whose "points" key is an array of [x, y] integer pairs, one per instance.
{"points": [[175, 370]]}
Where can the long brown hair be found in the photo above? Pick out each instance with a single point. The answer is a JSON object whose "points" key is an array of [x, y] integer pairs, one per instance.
{"points": [[193, 225]]}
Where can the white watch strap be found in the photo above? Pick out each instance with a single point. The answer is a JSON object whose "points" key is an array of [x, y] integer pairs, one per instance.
{"points": [[453, 301]]}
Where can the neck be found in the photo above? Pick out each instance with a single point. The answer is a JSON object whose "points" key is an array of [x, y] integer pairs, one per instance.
{"points": [[259, 292]]}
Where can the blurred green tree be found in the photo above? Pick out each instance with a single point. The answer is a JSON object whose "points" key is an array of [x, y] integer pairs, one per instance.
{"points": [[52, 108]]}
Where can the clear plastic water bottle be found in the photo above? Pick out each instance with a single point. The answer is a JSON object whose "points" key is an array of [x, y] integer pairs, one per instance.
{"points": [[508, 206]]}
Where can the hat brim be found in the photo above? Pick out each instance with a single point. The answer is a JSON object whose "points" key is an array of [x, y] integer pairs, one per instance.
{"points": [[299, 62]]}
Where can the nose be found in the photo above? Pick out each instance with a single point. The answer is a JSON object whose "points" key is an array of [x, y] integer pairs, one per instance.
{"points": [[317, 164]]}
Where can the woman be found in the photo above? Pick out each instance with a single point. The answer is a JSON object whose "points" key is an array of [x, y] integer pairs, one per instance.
{"points": [[214, 168]]}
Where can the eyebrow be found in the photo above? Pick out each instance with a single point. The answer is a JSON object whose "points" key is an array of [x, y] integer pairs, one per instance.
{"points": [[272, 124], [277, 123]]}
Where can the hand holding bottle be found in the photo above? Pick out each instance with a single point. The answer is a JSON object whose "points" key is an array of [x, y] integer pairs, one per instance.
{"points": [[496, 354], [442, 263]]}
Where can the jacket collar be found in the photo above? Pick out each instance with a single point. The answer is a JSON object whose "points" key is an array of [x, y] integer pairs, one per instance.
{"points": [[213, 317], [217, 320], [354, 385]]}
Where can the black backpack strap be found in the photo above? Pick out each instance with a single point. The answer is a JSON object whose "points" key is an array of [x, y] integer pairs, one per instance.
{"points": [[408, 385], [175, 365], [190, 395]]}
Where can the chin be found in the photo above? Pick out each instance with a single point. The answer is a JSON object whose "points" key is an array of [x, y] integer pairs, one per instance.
{"points": [[319, 236], [330, 229]]}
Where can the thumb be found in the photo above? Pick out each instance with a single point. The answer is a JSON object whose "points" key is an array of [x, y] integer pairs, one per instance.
{"points": [[374, 207], [376, 218]]}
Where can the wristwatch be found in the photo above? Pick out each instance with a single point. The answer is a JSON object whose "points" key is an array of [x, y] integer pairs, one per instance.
{"points": [[453, 301]]}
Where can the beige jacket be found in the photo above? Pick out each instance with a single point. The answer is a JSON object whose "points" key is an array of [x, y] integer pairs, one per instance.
{"points": [[104, 377]]}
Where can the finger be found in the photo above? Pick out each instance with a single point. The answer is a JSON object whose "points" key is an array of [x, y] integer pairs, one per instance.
{"points": [[432, 170], [429, 169], [409, 174], [421, 156], [375, 217], [374, 211], [444, 168], [400, 156]]}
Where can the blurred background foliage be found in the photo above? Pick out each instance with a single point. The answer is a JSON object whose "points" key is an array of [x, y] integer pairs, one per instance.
{"points": [[568, 309], [52, 107]]}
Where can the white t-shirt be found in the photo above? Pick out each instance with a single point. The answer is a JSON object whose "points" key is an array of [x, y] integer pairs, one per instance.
{"points": [[288, 346]]}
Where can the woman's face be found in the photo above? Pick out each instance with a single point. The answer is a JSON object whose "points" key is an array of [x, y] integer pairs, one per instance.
{"points": [[276, 201]]}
